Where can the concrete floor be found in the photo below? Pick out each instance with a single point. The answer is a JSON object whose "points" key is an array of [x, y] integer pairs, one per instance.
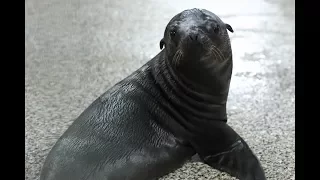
{"points": [[77, 49]]}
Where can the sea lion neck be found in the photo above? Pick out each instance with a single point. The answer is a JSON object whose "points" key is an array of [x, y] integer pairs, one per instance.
{"points": [[191, 101]]}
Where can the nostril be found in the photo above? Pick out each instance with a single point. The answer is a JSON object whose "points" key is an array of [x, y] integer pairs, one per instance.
{"points": [[193, 37]]}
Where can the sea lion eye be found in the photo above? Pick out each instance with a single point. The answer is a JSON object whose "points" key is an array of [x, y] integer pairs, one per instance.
{"points": [[172, 33]]}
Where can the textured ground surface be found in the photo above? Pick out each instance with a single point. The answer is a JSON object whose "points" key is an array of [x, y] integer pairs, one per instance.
{"points": [[77, 49]]}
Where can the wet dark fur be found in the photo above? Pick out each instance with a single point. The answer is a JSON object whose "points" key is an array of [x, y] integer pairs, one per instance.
{"points": [[157, 118]]}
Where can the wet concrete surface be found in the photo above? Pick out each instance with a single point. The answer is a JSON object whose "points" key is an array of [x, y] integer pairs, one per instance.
{"points": [[75, 50]]}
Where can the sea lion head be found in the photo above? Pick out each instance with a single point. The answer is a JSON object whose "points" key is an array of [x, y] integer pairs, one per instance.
{"points": [[197, 45]]}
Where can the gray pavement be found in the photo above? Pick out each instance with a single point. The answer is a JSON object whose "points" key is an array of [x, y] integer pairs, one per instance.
{"points": [[77, 49]]}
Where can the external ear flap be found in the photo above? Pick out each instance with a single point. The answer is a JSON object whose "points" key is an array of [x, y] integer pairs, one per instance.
{"points": [[229, 28], [162, 43]]}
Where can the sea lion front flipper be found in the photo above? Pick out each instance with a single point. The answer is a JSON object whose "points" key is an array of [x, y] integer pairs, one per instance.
{"points": [[222, 148]]}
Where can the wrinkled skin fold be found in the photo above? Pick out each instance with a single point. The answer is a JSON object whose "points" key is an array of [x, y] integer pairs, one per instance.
{"points": [[156, 119]]}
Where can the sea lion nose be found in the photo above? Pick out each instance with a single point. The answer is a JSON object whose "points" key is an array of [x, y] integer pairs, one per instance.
{"points": [[193, 37]]}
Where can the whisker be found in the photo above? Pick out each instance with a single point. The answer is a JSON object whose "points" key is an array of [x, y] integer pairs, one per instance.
{"points": [[219, 52], [214, 49], [211, 64], [177, 57]]}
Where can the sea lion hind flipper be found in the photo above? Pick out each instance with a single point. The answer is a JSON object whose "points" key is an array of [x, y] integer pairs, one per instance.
{"points": [[225, 150]]}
